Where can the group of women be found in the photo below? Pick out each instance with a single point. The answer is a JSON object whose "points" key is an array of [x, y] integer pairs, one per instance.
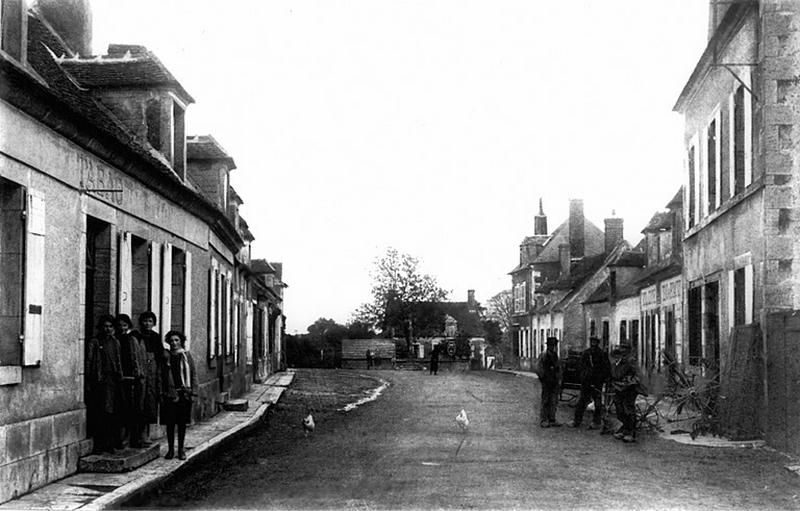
{"points": [[133, 379]]}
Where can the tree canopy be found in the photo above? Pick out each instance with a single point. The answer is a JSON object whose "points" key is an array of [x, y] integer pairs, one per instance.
{"points": [[398, 289]]}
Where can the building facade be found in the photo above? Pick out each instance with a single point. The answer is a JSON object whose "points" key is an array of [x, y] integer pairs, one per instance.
{"points": [[740, 206], [100, 213]]}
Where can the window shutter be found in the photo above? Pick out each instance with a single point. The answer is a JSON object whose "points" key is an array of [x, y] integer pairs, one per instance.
{"points": [[748, 132], [212, 311], [155, 284], [732, 145], [187, 298], [124, 302], [166, 289], [748, 294], [731, 299], [33, 338], [227, 312]]}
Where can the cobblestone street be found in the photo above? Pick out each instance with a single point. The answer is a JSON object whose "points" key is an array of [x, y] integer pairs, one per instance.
{"points": [[405, 450]]}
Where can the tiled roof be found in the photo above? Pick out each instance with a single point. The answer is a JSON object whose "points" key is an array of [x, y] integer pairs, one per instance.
{"points": [[629, 258], [603, 292], [261, 266], [661, 221], [677, 200], [124, 66], [594, 241], [206, 147], [657, 272], [580, 271]]}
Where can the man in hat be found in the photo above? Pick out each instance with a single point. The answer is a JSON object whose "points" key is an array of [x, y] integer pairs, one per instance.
{"points": [[595, 370], [549, 372], [626, 385]]}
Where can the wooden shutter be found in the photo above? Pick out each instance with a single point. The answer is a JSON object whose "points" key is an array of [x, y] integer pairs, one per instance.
{"points": [[212, 310], [748, 294], [187, 297], [124, 301], [166, 289], [155, 284], [228, 306], [731, 300], [33, 339]]}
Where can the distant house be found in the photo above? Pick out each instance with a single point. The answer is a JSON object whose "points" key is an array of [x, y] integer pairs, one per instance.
{"points": [[542, 258]]}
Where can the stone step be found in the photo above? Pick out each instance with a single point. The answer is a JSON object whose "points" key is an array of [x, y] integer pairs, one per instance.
{"points": [[120, 461], [223, 397], [235, 405]]}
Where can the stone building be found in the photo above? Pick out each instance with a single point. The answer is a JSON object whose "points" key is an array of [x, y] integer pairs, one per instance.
{"points": [[541, 259], [101, 214], [740, 210]]}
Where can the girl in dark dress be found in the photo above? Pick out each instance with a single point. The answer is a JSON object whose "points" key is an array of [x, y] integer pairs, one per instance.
{"points": [[133, 357], [103, 386], [178, 412], [156, 384]]}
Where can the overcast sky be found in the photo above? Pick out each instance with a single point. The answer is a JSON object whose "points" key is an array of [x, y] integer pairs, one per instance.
{"points": [[430, 126]]}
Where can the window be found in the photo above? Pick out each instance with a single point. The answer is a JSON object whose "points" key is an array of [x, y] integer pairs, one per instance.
{"points": [[712, 160], [592, 329], [740, 295], [695, 326], [634, 336], [153, 121], [519, 297], [13, 23], [741, 137], [606, 335], [12, 261], [178, 140], [623, 330], [692, 187]]}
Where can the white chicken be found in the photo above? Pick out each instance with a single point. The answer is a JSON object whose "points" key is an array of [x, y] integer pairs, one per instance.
{"points": [[308, 424], [462, 420]]}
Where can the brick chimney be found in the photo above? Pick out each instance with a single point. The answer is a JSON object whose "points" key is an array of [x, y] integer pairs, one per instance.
{"points": [[565, 258], [716, 11], [614, 233], [72, 19], [540, 221], [471, 296], [576, 228]]}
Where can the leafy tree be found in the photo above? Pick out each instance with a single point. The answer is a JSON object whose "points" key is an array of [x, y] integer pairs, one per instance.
{"points": [[398, 290], [500, 308], [360, 330], [494, 333]]}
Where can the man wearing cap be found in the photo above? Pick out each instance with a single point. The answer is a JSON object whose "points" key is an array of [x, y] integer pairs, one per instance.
{"points": [[549, 372], [595, 370], [626, 384]]}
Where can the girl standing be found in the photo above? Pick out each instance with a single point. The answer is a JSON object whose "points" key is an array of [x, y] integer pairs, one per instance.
{"points": [[178, 411]]}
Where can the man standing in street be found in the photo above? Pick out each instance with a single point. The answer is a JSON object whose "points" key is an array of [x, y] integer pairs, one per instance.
{"points": [[549, 372], [595, 370], [626, 384]]}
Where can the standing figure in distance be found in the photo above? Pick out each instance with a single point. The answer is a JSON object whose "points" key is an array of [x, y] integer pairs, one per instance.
{"points": [[178, 410], [103, 386], [369, 358], [595, 370], [435, 359], [549, 372]]}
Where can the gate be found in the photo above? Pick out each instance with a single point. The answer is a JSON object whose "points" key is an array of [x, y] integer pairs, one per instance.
{"points": [[783, 381]]}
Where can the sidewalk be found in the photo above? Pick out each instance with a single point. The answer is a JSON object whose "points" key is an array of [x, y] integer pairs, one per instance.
{"points": [[87, 491]]}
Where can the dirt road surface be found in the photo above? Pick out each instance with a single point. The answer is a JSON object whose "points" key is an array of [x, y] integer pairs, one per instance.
{"points": [[405, 451]]}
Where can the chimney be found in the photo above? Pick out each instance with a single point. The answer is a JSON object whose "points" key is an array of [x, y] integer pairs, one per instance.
{"points": [[614, 232], [565, 258], [540, 221], [471, 296], [72, 19], [716, 11], [576, 228]]}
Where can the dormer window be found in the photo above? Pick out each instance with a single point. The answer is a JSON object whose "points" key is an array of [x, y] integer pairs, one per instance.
{"points": [[13, 28], [178, 140], [153, 122]]}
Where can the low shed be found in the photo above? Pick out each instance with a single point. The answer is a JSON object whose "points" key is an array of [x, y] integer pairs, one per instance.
{"points": [[354, 353]]}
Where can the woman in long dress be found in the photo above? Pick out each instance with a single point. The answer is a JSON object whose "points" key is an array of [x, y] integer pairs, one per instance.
{"points": [[178, 411], [157, 386], [103, 387]]}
